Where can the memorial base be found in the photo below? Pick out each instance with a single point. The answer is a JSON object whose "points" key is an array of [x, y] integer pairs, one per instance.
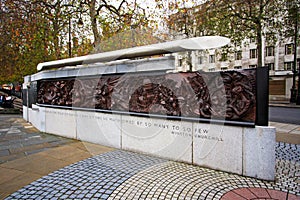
{"points": [[241, 150]]}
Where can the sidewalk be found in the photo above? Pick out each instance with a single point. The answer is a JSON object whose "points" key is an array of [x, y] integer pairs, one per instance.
{"points": [[288, 133], [37, 166], [27, 155], [283, 104]]}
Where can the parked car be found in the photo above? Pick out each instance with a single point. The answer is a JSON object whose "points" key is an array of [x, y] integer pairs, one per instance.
{"points": [[6, 87], [6, 101]]}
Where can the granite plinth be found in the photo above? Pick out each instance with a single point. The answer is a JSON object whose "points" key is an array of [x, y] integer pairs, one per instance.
{"points": [[240, 150]]}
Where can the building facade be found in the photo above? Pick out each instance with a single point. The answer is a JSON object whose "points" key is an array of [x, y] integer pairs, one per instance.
{"points": [[279, 57]]}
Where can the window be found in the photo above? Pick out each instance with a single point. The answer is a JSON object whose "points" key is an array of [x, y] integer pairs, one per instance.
{"points": [[212, 59], [270, 51], [289, 49], [252, 66], [253, 53], [238, 55], [200, 60], [224, 57], [237, 67], [180, 62], [253, 40], [270, 66], [288, 66]]}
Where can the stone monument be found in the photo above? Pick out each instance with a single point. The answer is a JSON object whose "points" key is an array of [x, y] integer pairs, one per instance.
{"points": [[213, 119]]}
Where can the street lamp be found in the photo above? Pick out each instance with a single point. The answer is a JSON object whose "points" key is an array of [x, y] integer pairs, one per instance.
{"points": [[294, 97], [296, 61], [69, 43], [80, 24]]}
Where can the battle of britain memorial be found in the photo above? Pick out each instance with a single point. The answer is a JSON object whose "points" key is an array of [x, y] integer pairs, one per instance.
{"points": [[213, 119]]}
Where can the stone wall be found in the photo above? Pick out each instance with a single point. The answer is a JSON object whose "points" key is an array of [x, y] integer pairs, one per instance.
{"points": [[240, 150], [138, 106]]}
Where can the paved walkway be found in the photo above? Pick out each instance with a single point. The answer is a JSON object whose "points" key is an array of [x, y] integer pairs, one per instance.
{"points": [[27, 155], [37, 166], [288, 133]]}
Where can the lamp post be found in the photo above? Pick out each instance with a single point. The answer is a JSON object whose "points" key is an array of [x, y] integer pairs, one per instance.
{"points": [[294, 97], [80, 24], [295, 56], [69, 43]]}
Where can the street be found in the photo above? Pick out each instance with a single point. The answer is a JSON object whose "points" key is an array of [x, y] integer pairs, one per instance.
{"points": [[284, 115]]}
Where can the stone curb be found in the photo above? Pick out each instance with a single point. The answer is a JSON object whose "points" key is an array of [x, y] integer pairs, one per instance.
{"points": [[286, 105]]}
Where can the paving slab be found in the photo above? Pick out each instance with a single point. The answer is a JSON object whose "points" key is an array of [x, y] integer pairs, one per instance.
{"points": [[27, 154], [288, 133], [37, 163], [41, 164], [288, 138], [18, 182], [9, 174]]}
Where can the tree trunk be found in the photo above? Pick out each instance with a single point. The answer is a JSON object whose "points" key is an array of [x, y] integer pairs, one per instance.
{"points": [[259, 46], [260, 52], [56, 39], [96, 34], [56, 31]]}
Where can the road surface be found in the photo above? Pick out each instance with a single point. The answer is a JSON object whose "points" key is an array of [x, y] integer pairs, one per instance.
{"points": [[284, 115]]}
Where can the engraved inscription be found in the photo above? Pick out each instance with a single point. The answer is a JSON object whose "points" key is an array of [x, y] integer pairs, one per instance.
{"points": [[201, 133]]}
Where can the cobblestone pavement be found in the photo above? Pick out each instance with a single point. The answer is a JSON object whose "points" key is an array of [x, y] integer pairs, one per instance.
{"points": [[126, 175], [19, 139]]}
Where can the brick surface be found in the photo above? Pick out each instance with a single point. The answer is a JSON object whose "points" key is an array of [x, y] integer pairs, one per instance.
{"points": [[232, 196], [260, 193], [293, 197], [245, 192], [275, 194]]}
